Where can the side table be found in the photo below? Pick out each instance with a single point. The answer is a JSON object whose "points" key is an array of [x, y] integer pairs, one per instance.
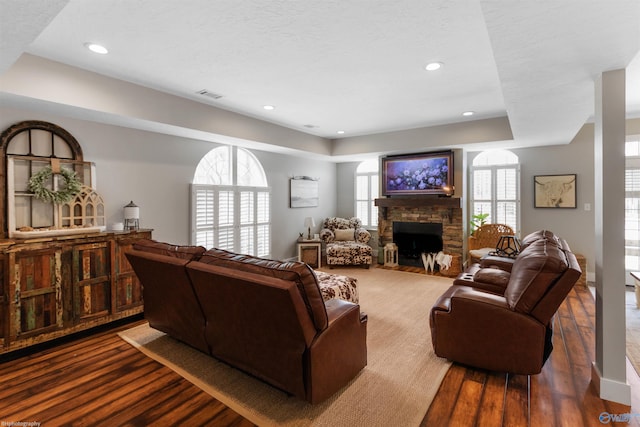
{"points": [[310, 252]]}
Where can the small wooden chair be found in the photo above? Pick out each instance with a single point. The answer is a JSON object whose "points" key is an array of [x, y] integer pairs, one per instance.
{"points": [[485, 239]]}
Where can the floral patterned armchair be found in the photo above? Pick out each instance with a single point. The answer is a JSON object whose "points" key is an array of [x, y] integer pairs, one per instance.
{"points": [[346, 242]]}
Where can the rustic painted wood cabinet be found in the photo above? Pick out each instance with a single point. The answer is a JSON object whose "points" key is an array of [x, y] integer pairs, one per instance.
{"points": [[51, 287]]}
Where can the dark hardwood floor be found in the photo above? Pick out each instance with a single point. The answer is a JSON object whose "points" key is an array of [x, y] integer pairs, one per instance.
{"points": [[101, 380], [561, 395]]}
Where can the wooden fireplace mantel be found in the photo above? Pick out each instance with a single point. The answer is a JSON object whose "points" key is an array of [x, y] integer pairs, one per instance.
{"points": [[449, 203], [418, 201]]}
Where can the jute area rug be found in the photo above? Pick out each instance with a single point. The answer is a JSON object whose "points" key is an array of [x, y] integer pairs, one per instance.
{"points": [[395, 388]]}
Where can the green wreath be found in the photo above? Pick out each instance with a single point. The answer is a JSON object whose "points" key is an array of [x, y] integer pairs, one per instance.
{"points": [[71, 188]]}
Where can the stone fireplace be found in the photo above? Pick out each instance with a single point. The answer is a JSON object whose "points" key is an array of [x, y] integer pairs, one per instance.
{"points": [[444, 212]]}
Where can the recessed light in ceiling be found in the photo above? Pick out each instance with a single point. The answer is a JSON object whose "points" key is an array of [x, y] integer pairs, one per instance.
{"points": [[96, 48], [340, 132], [433, 66], [268, 107], [468, 113]]}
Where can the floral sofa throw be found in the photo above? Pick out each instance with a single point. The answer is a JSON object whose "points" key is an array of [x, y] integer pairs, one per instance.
{"points": [[346, 242], [334, 286]]}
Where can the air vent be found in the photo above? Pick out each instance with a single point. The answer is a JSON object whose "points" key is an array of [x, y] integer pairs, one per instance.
{"points": [[310, 126], [209, 94]]}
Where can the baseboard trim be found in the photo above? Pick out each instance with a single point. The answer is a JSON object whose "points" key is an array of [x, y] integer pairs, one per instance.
{"points": [[608, 389]]}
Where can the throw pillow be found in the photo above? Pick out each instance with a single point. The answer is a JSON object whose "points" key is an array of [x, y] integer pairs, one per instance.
{"points": [[343, 235]]}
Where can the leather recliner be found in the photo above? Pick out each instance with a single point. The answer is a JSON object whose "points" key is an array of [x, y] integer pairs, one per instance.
{"points": [[500, 319]]}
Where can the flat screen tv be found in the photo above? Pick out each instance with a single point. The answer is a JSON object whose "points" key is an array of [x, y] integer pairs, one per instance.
{"points": [[414, 174]]}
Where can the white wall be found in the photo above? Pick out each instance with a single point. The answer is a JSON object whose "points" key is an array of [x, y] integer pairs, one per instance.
{"points": [[288, 222], [574, 225], [155, 170]]}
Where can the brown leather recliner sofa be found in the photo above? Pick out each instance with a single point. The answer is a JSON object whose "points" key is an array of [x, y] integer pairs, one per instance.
{"points": [[497, 315], [264, 317]]}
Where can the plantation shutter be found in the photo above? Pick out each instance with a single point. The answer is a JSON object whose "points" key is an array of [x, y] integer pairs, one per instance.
{"points": [[232, 218], [366, 192], [632, 214], [263, 221], [202, 214], [230, 203], [482, 193], [507, 184], [495, 190]]}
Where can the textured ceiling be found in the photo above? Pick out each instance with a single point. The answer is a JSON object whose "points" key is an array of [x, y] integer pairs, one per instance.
{"points": [[356, 66]]}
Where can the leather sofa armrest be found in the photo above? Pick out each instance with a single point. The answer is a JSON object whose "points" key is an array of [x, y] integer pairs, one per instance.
{"points": [[466, 300], [473, 296], [492, 280], [337, 309], [495, 261], [339, 352]]}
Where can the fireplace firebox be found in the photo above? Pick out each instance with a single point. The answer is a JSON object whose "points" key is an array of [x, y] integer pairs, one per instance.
{"points": [[415, 238]]}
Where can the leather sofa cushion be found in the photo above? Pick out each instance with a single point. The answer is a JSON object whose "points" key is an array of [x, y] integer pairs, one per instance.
{"points": [[299, 272], [536, 269], [160, 248]]}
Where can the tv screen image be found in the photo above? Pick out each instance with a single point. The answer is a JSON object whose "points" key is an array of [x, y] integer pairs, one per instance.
{"points": [[425, 173]]}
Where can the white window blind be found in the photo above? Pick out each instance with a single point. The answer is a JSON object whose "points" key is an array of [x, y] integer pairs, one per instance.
{"points": [[215, 224], [495, 184], [632, 205], [367, 185]]}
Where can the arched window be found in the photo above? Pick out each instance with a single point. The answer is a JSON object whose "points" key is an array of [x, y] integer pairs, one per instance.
{"points": [[230, 203], [495, 187], [367, 192]]}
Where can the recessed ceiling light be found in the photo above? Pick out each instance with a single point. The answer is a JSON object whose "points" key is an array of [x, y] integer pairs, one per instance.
{"points": [[96, 48], [340, 132], [433, 66], [269, 107], [468, 113]]}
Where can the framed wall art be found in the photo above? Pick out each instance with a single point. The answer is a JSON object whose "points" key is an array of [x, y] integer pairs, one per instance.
{"points": [[555, 191], [418, 174], [303, 192]]}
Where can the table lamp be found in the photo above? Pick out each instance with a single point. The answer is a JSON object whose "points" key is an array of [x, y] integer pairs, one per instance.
{"points": [[309, 222]]}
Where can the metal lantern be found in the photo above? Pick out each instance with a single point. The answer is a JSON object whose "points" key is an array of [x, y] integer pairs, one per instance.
{"points": [[131, 216], [390, 255]]}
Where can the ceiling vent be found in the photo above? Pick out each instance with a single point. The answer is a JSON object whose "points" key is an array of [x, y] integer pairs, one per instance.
{"points": [[212, 95]]}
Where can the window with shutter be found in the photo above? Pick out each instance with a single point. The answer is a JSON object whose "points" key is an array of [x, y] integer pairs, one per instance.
{"points": [[495, 187], [632, 204], [366, 192], [230, 203]]}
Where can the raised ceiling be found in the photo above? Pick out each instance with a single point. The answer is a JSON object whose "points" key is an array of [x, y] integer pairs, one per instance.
{"points": [[355, 66]]}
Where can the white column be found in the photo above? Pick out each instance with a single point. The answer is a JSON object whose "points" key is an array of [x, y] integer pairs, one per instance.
{"points": [[609, 373]]}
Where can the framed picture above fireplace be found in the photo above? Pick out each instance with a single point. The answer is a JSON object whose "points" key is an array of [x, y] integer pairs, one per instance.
{"points": [[415, 174]]}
